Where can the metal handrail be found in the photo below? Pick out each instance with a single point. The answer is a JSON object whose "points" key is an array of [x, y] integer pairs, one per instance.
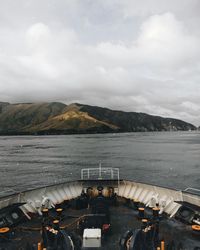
{"points": [[8, 190], [100, 173], [190, 188], [189, 191]]}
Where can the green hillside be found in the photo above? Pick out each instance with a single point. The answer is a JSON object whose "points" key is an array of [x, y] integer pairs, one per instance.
{"points": [[58, 118]]}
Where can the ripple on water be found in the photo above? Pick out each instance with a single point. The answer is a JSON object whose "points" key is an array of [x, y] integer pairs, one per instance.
{"points": [[168, 159]]}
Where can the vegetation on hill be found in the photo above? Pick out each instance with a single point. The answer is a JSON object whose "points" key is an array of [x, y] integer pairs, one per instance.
{"points": [[58, 118]]}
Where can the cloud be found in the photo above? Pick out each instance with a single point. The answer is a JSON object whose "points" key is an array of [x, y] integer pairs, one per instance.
{"points": [[155, 70], [145, 8]]}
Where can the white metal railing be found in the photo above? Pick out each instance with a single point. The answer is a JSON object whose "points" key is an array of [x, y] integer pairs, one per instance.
{"points": [[100, 173], [189, 189], [8, 191]]}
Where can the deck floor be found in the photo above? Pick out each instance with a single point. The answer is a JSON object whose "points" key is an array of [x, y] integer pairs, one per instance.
{"points": [[123, 218]]}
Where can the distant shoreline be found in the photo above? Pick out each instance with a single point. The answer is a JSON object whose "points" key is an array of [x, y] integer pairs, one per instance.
{"points": [[93, 133], [56, 118]]}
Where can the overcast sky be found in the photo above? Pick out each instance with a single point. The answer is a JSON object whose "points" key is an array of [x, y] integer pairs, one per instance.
{"points": [[130, 55]]}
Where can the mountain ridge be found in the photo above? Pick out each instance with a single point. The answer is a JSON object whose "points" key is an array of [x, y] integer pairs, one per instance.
{"points": [[59, 118]]}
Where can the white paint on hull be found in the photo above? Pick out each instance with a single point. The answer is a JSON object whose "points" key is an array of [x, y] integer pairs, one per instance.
{"points": [[148, 194]]}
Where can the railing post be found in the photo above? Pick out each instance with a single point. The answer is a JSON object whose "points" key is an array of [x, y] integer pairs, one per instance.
{"points": [[118, 177], [100, 177]]}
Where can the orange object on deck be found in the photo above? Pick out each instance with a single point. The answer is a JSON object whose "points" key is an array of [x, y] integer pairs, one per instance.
{"points": [[45, 212], [59, 210], [4, 230], [196, 228], [141, 212], [39, 246], [56, 222], [162, 245], [144, 220], [141, 209]]}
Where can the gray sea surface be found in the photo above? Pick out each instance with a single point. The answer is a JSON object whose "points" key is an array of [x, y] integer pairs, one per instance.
{"points": [[170, 159]]}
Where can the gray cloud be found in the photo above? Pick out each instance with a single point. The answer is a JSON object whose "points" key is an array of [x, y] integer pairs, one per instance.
{"points": [[121, 54]]}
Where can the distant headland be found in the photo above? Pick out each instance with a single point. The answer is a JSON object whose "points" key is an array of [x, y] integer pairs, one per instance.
{"points": [[58, 118]]}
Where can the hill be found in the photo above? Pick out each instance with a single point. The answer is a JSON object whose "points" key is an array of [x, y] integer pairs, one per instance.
{"points": [[58, 118]]}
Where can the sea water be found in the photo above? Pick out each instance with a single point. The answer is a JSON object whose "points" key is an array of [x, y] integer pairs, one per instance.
{"points": [[170, 159]]}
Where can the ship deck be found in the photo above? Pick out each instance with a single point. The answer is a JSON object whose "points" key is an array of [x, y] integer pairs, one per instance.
{"points": [[123, 217]]}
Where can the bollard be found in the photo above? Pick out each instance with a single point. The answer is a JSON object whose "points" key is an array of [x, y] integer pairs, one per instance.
{"points": [[56, 224], [45, 212], [144, 223], [136, 203], [158, 248], [141, 212], [196, 228], [155, 212], [59, 211], [162, 245], [5, 232]]}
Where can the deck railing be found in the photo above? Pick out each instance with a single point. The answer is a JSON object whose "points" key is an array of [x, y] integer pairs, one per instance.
{"points": [[192, 190], [100, 174]]}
